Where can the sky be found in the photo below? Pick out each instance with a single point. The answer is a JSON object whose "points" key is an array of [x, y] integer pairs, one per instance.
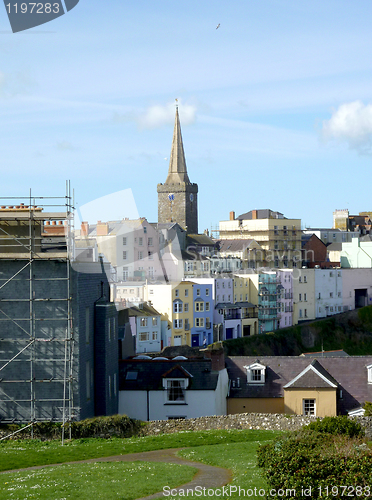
{"points": [[275, 105]]}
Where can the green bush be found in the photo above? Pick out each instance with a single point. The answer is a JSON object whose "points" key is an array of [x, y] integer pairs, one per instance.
{"points": [[319, 460], [337, 426], [368, 409], [116, 425]]}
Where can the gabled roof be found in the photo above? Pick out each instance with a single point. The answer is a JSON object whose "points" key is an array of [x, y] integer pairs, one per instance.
{"points": [[313, 375], [177, 372], [349, 372], [149, 374]]}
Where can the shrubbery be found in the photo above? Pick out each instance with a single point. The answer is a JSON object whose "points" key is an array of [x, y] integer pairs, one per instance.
{"points": [[337, 425], [114, 426], [323, 458], [368, 409]]}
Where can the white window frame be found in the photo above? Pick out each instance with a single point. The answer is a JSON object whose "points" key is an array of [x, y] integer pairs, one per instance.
{"points": [[177, 384], [199, 322], [256, 373], [309, 407], [369, 371], [177, 306], [178, 324]]}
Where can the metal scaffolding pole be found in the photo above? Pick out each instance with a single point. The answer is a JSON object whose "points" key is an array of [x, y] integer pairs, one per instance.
{"points": [[41, 338]]}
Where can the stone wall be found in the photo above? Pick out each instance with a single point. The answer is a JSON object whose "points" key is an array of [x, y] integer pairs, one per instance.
{"points": [[268, 421]]}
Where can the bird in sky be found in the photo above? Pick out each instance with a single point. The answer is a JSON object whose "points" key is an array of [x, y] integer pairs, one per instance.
{"points": [[218, 25]]}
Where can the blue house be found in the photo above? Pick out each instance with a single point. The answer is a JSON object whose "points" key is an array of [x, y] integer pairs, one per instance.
{"points": [[202, 328]]}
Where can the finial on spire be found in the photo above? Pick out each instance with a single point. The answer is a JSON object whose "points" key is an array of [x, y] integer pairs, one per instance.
{"points": [[176, 103]]}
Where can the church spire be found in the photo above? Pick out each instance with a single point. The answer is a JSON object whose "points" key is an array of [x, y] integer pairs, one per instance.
{"points": [[177, 165]]}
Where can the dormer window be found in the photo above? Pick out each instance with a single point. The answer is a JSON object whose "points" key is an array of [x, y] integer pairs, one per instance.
{"points": [[255, 373], [175, 390]]}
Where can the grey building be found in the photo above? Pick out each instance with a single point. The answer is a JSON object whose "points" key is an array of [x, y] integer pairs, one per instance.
{"points": [[58, 330], [178, 197]]}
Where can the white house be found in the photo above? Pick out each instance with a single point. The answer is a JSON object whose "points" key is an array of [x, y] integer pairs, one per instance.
{"points": [[162, 388]]}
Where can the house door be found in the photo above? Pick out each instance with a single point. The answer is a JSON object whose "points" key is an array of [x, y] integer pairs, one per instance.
{"points": [[229, 333], [195, 340], [246, 330]]}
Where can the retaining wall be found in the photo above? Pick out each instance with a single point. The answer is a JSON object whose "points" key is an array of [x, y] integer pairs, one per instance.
{"points": [[268, 421]]}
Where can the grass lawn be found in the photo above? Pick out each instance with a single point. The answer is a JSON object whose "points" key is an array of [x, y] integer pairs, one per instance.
{"points": [[240, 458], [94, 481], [26, 453], [231, 449]]}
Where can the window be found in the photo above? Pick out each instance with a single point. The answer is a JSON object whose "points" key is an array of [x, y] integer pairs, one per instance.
{"points": [[186, 307], [308, 406], [124, 241], [124, 255], [178, 324], [140, 241], [143, 321], [305, 312], [305, 279], [305, 297], [177, 306], [255, 373], [187, 324], [125, 273], [207, 292], [154, 321], [150, 254], [339, 294], [331, 294], [150, 242], [143, 336], [300, 297], [199, 322], [198, 292], [154, 335], [207, 323], [199, 306], [140, 255], [176, 293], [186, 293], [175, 390], [145, 229], [300, 313], [207, 306], [300, 279]]}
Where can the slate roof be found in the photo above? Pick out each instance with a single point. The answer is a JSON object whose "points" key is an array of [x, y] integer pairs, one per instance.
{"points": [[234, 245], [150, 374], [200, 239], [325, 354], [350, 373]]}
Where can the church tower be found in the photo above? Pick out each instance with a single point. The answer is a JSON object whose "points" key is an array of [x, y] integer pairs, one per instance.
{"points": [[178, 197]]}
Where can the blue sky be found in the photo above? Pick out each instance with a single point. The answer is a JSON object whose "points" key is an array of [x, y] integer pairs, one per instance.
{"points": [[275, 105]]}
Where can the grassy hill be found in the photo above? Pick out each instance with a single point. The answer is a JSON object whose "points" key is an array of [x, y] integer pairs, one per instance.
{"points": [[350, 331]]}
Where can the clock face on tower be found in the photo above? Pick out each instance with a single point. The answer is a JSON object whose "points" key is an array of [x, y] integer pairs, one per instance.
{"points": [[171, 197]]}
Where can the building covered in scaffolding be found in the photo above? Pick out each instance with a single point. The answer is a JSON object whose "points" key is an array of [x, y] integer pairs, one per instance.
{"points": [[58, 330]]}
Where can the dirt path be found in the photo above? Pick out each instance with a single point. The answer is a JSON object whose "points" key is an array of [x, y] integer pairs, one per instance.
{"points": [[207, 476]]}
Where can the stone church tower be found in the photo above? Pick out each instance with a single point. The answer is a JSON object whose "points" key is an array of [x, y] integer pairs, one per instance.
{"points": [[178, 197]]}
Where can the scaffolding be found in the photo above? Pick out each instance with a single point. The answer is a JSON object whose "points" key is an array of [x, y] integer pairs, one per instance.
{"points": [[36, 320]]}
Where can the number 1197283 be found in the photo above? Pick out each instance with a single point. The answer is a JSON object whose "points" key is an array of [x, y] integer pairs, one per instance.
{"points": [[37, 8]]}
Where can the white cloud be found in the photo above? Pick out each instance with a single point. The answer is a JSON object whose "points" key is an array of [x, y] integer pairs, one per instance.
{"points": [[156, 116], [351, 123]]}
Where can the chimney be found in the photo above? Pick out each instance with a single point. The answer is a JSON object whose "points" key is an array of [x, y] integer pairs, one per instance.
{"points": [[254, 214], [217, 357], [84, 229], [102, 228], [232, 215]]}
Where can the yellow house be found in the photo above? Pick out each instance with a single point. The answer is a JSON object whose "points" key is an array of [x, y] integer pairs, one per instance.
{"points": [[175, 303], [297, 385]]}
